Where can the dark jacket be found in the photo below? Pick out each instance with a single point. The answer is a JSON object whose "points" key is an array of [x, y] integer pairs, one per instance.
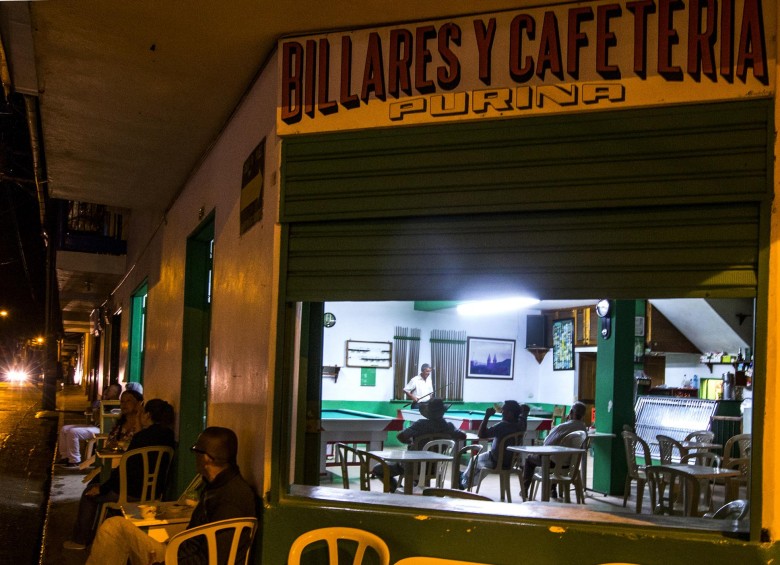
{"points": [[425, 426], [499, 432], [227, 496], [153, 435]]}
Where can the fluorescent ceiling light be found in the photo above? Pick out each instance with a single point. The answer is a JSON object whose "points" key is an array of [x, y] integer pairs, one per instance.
{"points": [[499, 306]]}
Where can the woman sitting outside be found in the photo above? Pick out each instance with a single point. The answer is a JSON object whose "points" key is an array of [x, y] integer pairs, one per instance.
{"points": [[157, 420], [131, 404]]}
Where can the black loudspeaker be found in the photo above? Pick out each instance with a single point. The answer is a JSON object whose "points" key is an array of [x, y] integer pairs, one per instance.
{"points": [[536, 332]]}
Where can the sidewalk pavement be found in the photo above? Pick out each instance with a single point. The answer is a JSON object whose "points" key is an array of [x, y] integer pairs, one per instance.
{"points": [[66, 488]]}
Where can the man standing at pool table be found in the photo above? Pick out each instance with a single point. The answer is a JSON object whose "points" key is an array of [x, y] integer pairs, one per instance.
{"points": [[420, 388]]}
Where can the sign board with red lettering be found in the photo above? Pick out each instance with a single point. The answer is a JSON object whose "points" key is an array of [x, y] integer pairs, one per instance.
{"points": [[585, 56]]}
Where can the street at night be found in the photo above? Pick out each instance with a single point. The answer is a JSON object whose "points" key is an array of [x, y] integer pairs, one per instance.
{"points": [[26, 451]]}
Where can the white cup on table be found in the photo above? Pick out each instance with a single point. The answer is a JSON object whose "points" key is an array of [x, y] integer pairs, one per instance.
{"points": [[147, 511]]}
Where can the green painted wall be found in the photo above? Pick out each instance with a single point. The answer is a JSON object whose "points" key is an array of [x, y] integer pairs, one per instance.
{"points": [[500, 540]]}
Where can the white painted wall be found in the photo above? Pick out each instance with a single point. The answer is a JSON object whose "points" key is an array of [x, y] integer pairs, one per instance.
{"points": [[244, 293], [680, 366], [532, 382], [376, 321]]}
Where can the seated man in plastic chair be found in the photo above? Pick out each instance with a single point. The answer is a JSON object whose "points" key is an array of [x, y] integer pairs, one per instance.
{"points": [[433, 422], [573, 423], [71, 436], [514, 418], [226, 495]]}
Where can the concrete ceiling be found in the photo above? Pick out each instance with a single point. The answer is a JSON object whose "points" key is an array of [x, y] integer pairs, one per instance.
{"points": [[724, 325], [132, 93]]}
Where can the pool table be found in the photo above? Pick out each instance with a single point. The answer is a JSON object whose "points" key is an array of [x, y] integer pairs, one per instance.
{"points": [[352, 426], [469, 420]]}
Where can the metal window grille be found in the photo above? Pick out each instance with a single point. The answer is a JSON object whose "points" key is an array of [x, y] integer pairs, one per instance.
{"points": [[671, 416]]}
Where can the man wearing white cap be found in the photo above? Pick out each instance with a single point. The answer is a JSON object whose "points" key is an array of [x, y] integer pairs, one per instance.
{"points": [[420, 388]]}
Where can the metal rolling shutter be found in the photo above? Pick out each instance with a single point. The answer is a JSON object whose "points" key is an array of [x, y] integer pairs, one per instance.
{"points": [[662, 202]]}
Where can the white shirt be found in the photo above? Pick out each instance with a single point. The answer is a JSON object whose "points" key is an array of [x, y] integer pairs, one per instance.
{"points": [[419, 387]]}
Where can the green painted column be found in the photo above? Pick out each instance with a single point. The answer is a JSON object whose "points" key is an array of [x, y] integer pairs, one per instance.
{"points": [[614, 396]]}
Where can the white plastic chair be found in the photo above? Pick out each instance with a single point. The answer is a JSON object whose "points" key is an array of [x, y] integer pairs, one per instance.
{"points": [[209, 532], [472, 451], [636, 472], [505, 470], [332, 536], [566, 471], [152, 475], [439, 472]]}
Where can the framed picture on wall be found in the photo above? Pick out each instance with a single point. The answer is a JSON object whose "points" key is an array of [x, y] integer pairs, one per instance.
{"points": [[563, 344], [378, 354], [490, 358]]}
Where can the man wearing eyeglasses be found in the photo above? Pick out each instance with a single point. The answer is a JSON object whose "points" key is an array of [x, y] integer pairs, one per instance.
{"points": [[226, 495]]}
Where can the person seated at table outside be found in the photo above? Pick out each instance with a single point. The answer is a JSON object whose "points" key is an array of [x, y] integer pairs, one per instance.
{"points": [[432, 422], [514, 418], [131, 406], [71, 436], [573, 423], [419, 389], [225, 495], [157, 420]]}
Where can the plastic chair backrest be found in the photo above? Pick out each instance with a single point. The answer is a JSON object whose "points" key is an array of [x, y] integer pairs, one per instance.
{"points": [[701, 458], [508, 440], [666, 447], [741, 464], [233, 526], [569, 461], [332, 536], [742, 441], [673, 492], [107, 415], [438, 469], [703, 436], [365, 462], [434, 561], [420, 441], [631, 441], [454, 493], [348, 454], [444, 446], [154, 476]]}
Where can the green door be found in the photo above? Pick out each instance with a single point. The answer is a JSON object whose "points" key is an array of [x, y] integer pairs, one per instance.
{"points": [[195, 346]]}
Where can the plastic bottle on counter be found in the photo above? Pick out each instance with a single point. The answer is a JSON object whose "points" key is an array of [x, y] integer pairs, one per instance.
{"points": [[695, 383], [747, 415]]}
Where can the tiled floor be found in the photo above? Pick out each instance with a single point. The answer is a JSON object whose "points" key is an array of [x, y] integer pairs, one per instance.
{"points": [[490, 488]]}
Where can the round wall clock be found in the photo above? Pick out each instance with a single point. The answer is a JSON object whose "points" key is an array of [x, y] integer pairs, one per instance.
{"points": [[329, 320]]}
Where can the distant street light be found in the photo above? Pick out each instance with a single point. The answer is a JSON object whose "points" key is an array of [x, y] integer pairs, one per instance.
{"points": [[3, 313]]}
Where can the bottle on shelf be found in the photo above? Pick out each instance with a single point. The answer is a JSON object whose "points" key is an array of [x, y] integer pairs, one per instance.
{"points": [[749, 373]]}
